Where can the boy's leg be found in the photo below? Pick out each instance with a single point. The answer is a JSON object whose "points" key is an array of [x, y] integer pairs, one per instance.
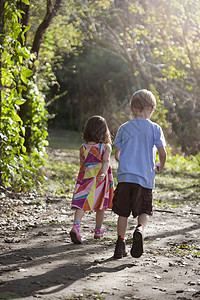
{"points": [[74, 233], [122, 226], [99, 230], [120, 248], [143, 219], [122, 207], [137, 246]]}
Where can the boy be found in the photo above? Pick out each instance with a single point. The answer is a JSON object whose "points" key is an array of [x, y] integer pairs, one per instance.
{"points": [[136, 142]]}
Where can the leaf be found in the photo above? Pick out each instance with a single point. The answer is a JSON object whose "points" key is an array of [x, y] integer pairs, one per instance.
{"points": [[7, 184], [26, 2], [24, 74], [23, 78], [20, 101], [17, 118], [27, 72], [24, 149]]}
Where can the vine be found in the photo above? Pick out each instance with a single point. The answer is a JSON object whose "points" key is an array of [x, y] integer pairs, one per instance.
{"points": [[19, 168]]}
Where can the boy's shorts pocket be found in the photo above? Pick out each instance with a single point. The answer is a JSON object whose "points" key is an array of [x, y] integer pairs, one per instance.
{"points": [[147, 203]]}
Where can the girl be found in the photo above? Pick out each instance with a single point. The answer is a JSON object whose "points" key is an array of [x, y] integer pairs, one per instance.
{"points": [[94, 186]]}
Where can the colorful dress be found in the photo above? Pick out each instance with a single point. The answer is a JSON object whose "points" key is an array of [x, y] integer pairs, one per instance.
{"points": [[88, 193]]}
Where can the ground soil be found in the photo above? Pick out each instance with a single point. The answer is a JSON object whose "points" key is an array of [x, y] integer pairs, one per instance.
{"points": [[38, 259]]}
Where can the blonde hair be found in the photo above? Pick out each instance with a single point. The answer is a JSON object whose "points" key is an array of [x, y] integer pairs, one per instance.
{"points": [[143, 98], [96, 130]]}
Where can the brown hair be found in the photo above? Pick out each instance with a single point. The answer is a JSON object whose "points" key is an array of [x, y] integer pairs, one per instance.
{"points": [[96, 130], [143, 98]]}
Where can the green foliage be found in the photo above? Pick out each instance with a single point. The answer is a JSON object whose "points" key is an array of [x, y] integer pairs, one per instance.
{"points": [[183, 164], [64, 36], [159, 115], [90, 78], [64, 139], [62, 176], [19, 169], [38, 121], [158, 42], [179, 182], [187, 249]]}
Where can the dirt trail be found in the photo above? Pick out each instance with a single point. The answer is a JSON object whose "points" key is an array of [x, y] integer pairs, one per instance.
{"points": [[41, 262], [38, 260]]}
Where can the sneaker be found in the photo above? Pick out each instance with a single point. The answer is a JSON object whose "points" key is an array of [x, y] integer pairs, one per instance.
{"points": [[74, 234], [137, 246], [98, 232], [120, 248]]}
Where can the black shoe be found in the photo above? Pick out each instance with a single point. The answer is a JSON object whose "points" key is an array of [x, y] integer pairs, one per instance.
{"points": [[137, 246], [120, 248]]}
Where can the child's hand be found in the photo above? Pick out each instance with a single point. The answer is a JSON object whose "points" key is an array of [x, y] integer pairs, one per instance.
{"points": [[158, 167], [101, 177]]}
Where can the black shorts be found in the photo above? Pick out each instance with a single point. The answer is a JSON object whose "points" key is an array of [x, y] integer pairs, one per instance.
{"points": [[132, 197]]}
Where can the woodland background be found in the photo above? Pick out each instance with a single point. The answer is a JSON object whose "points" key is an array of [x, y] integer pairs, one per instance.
{"points": [[62, 61]]}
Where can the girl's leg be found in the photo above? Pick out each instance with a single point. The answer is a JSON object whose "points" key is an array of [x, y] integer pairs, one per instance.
{"points": [[98, 232], [122, 226], [78, 215], [99, 218], [74, 233]]}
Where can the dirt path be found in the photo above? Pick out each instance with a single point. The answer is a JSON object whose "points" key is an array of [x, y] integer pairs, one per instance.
{"points": [[41, 262], [38, 260]]}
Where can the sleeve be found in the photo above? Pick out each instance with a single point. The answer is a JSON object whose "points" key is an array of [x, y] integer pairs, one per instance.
{"points": [[118, 138], [159, 139]]}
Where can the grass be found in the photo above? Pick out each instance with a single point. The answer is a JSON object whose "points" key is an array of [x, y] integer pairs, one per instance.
{"points": [[61, 170], [64, 139], [61, 176], [178, 184], [185, 250], [177, 189]]}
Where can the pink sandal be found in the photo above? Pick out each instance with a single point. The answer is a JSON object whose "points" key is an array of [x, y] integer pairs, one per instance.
{"points": [[74, 234], [98, 232]]}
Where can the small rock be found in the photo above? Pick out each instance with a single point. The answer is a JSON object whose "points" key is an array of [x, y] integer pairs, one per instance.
{"points": [[192, 283]]}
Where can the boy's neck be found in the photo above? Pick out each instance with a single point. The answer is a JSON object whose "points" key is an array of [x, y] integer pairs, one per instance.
{"points": [[144, 114]]}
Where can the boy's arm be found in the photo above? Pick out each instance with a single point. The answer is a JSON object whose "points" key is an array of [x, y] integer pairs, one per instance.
{"points": [[162, 157], [117, 152], [105, 163]]}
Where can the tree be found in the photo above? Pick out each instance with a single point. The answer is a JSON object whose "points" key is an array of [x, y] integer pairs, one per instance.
{"points": [[23, 113], [159, 42], [13, 75], [2, 12], [95, 82], [26, 113]]}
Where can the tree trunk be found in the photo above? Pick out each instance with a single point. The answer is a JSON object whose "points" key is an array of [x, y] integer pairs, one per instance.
{"points": [[25, 16], [50, 14], [25, 109], [2, 11]]}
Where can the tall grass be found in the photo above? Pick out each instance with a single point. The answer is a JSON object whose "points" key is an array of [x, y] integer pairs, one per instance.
{"points": [[64, 139], [179, 182]]}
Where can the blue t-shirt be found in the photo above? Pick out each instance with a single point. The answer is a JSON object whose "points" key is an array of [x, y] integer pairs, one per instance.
{"points": [[138, 140]]}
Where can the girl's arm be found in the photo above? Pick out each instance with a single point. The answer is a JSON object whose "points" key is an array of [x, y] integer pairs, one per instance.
{"points": [[117, 152], [162, 158], [81, 156], [105, 163]]}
